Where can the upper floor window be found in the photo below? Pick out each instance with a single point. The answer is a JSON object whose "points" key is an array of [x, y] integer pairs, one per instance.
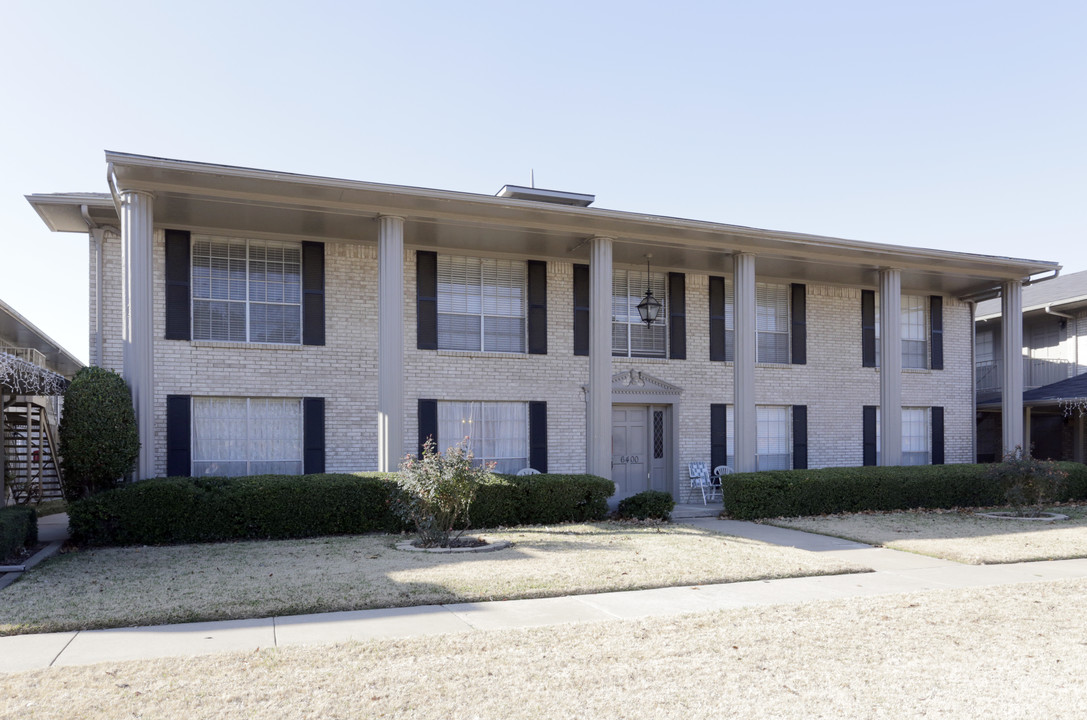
{"points": [[481, 304], [771, 322], [914, 325], [246, 290], [630, 337]]}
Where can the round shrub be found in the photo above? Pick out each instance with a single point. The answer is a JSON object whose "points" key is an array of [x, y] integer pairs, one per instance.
{"points": [[651, 504], [98, 439]]}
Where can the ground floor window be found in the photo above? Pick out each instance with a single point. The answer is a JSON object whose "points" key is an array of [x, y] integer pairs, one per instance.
{"points": [[773, 438], [235, 436], [495, 431], [916, 436]]}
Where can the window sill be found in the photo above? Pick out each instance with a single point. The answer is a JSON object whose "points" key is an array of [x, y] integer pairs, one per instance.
{"points": [[244, 345], [650, 360], [483, 354]]}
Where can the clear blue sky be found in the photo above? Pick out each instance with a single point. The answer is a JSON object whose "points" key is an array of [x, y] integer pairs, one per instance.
{"points": [[936, 123]]}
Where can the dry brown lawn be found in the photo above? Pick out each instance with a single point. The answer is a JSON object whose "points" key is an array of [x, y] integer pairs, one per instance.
{"points": [[1009, 652], [117, 587], [958, 535]]}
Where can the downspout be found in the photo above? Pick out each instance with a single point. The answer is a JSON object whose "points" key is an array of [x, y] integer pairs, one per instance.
{"points": [[974, 378], [96, 235]]}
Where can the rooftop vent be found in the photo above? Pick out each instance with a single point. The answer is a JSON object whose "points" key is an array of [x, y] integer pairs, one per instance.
{"points": [[556, 197]]}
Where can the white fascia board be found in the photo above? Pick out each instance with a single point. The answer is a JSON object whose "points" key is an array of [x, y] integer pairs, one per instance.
{"points": [[149, 173]]}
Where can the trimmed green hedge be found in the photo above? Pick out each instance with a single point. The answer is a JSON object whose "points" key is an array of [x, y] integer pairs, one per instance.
{"points": [[184, 510], [18, 529], [791, 493], [541, 500], [653, 504]]}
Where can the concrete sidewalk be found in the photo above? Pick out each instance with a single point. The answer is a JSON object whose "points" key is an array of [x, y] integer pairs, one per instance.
{"points": [[894, 572]]}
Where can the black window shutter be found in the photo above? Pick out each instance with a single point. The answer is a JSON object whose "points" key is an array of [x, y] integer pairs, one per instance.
{"points": [[537, 436], [869, 434], [537, 307], [936, 331], [581, 309], [313, 435], [800, 437], [313, 293], [426, 300], [718, 435], [428, 423], [717, 319], [868, 329], [677, 316], [178, 296], [799, 313], [937, 436], [178, 436]]}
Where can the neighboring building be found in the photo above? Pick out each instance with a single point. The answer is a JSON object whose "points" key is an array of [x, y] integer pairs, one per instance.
{"points": [[1054, 356], [34, 371], [275, 322]]}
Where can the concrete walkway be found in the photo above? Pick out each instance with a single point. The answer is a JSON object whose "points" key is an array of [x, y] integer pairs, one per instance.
{"points": [[893, 572]]}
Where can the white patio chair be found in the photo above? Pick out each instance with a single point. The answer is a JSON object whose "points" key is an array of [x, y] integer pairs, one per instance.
{"points": [[719, 473], [700, 478], [528, 471]]}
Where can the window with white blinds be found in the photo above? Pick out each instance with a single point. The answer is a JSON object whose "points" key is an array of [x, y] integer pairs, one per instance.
{"points": [[915, 436], [492, 431], [773, 437], [630, 337], [772, 322], [246, 290], [481, 304], [234, 436], [914, 326]]}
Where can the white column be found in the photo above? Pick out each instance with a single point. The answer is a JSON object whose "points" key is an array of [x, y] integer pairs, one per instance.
{"points": [[390, 342], [137, 330], [598, 420], [1011, 415], [743, 366], [890, 366]]}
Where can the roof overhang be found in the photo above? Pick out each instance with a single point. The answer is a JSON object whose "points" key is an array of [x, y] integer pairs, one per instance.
{"points": [[20, 332], [1065, 305], [261, 203]]}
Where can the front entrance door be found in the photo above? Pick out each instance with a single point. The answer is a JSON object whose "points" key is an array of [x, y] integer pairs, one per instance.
{"points": [[639, 449]]}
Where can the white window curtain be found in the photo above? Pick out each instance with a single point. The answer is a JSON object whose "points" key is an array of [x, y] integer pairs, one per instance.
{"points": [[774, 444], [630, 337], [481, 304], [772, 322], [915, 436], [495, 431], [246, 436], [914, 326], [246, 290], [773, 438]]}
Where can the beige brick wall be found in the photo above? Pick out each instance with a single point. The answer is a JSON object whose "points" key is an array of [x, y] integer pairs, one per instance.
{"points": [[833, 384]]}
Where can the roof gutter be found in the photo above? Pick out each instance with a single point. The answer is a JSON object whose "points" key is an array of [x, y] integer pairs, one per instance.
{"points": [[1048, 311], [995, 292], [111, 180]]}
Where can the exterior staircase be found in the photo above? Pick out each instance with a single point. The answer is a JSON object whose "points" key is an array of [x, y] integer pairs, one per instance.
{"points": [[30, 460]]}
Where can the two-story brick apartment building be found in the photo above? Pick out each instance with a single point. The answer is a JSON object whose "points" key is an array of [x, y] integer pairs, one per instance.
{"points": [[275, 322]]}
